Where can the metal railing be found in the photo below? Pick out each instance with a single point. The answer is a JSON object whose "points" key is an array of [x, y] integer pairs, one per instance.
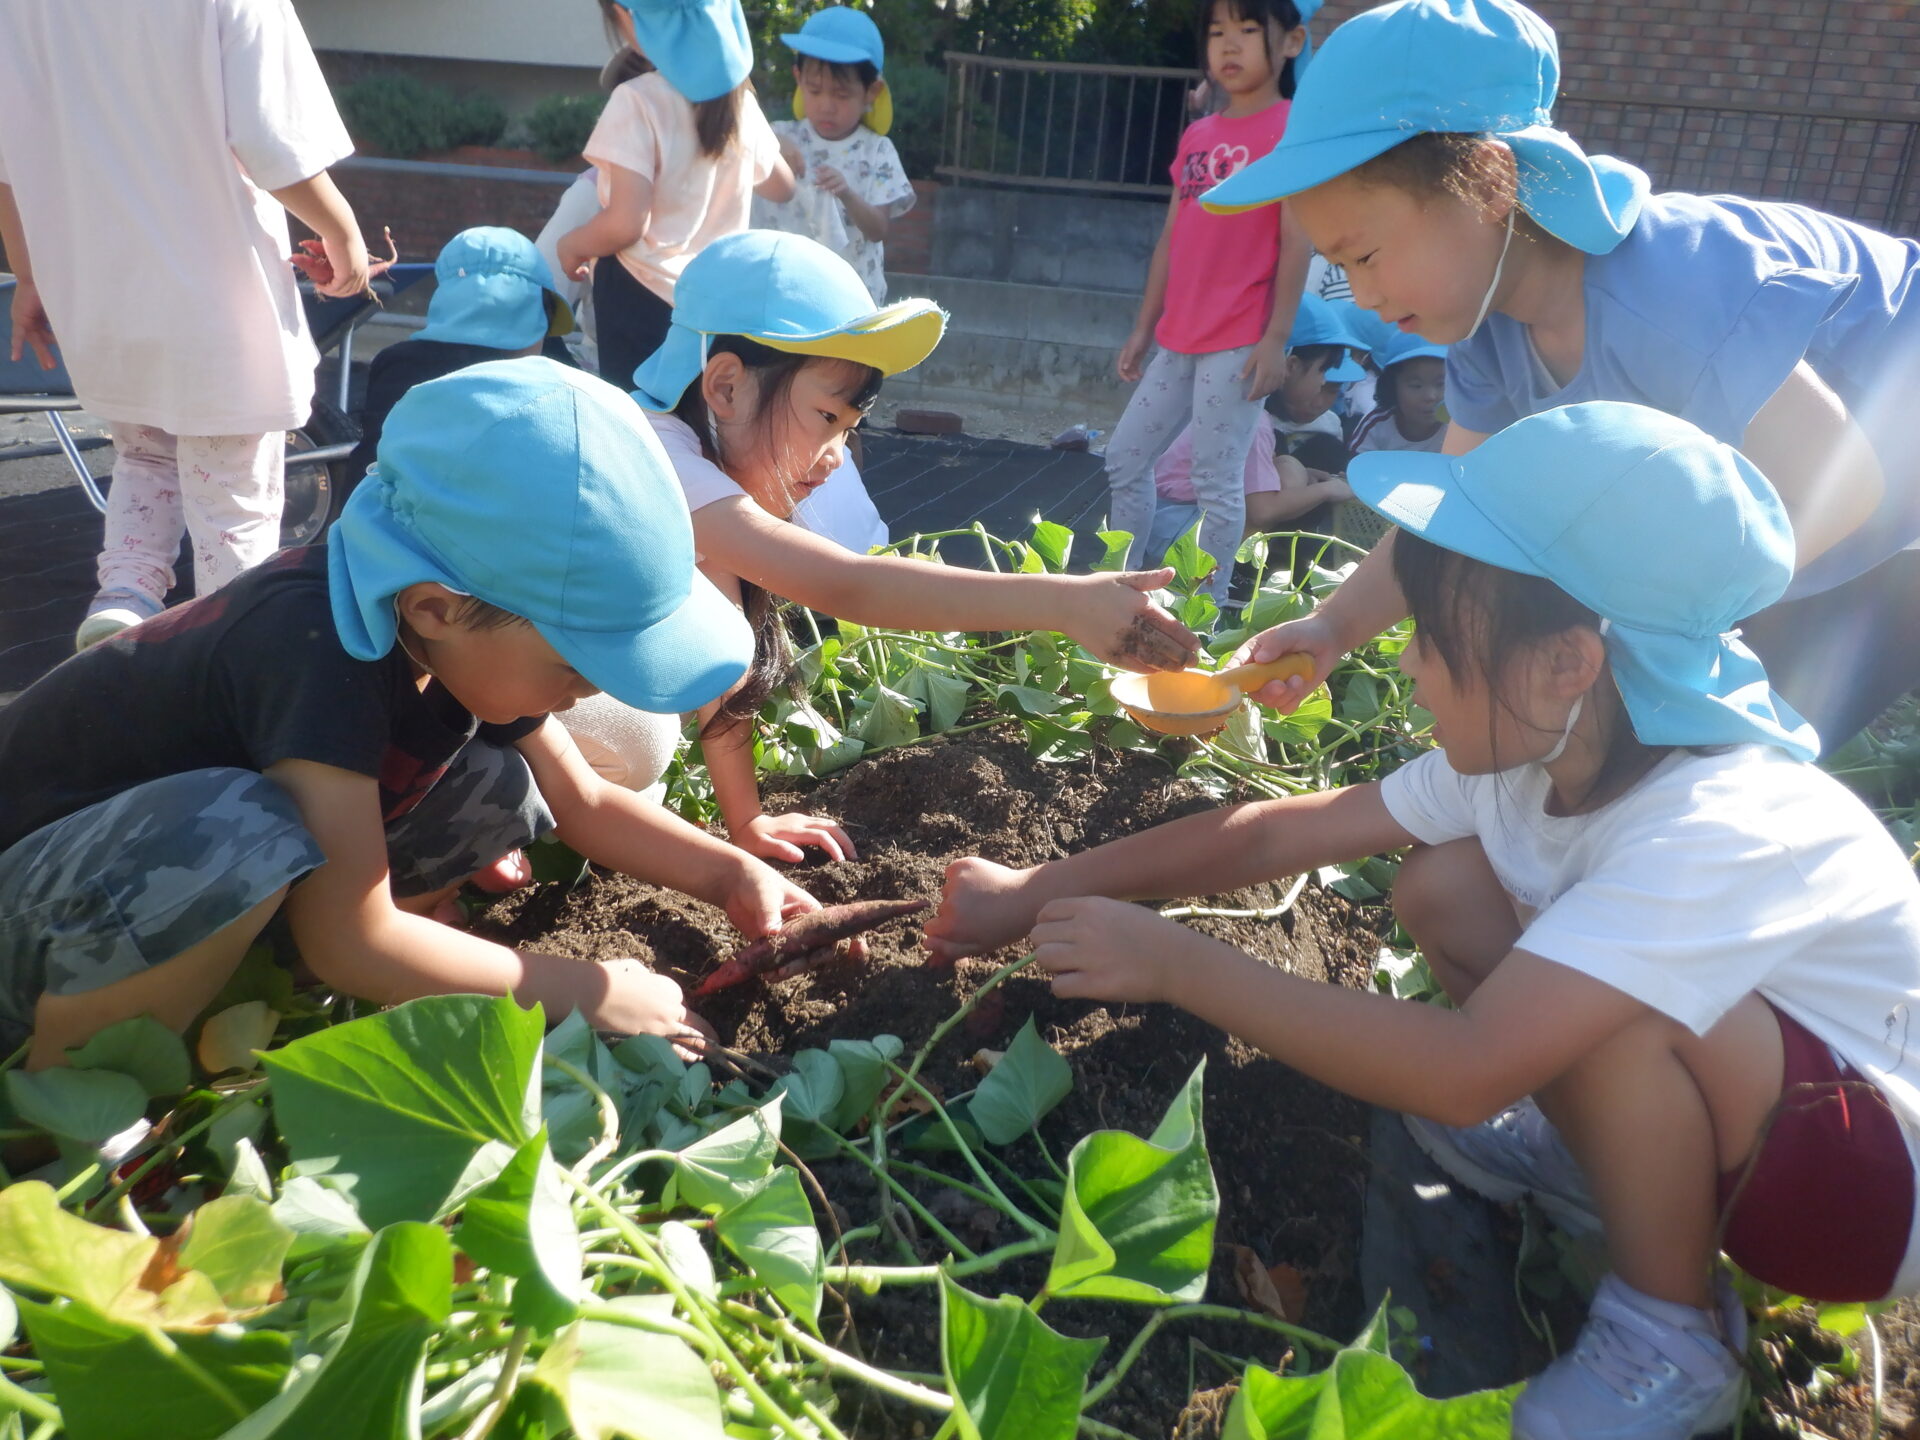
{"points": [[1062, 126], [1851, 163]]}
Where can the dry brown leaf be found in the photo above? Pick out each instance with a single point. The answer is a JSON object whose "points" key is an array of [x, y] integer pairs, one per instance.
{"points": [[984, 1060], [1255, 1285], [228, 1040], [1291, 1286]]}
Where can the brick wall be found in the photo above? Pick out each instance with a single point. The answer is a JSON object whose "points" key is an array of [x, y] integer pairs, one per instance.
{"points": [[1674, 65]]}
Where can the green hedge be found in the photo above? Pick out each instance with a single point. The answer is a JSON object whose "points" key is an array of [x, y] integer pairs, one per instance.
{"points": [[403, 116], [558, 127]]}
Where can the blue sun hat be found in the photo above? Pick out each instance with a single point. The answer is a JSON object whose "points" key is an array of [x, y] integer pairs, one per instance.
{"points": [[1405, 345], [841, 36], [1375, 334], [492, 288], [1598, 498], [701, 46], [790, 293], [1456, 66], [1306, 9], [540, 489], [1319, 322]]}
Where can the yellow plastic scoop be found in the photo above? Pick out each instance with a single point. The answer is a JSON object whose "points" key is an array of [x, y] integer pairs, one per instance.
{"points": [[1198, 702]]}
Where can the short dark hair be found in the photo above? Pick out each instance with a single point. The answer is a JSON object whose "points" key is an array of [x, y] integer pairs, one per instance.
{"points": [[861, 72], [473, 613], [1442, 163], [1281, 13], [1324, 355]]}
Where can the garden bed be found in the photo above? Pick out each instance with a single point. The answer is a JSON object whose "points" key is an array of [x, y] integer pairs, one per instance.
{"points": [[1288, 1153]]}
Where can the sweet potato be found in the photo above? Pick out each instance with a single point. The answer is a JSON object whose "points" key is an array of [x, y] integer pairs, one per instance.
{"points": [[311, 260], [798, 945]]}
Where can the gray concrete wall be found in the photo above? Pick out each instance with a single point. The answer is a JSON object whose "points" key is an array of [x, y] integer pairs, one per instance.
{"points": [[1034, 238], [1031, 348]]}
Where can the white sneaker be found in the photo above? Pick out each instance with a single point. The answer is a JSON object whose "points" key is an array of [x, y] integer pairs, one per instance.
{"points": [[1516, 1153], [111, 612], [1642, 1369]]}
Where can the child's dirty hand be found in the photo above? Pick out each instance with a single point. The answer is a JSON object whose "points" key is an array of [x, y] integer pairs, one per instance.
{"points": [[829, 180], [760, 900], [1114, 617], [1311, 635], [641, 1002], [1098, 949], [786, 837], [982, 907], [31, 328]]}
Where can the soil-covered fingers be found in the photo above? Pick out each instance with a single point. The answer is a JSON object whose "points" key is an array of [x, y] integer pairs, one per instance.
{"points": [[761, 900], [638, 1001], [1122, 625], [982, 907], [788, 837]]}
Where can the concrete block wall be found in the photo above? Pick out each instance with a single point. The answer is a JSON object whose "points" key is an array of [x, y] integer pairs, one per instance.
{"points": [[1030, 237]]}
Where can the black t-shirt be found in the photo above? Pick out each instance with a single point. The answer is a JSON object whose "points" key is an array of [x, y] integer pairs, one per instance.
{"points": [[398, 368], [250, 675]]}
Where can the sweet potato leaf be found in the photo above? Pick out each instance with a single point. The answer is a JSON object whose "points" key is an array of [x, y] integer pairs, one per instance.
{"points": [[1016, 1377], [771, 1231], [142, 1048], [522, 1225], [1022, 1089], [615, 1380]]}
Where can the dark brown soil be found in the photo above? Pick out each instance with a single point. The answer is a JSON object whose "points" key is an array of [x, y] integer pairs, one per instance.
{"points": [[1288, 1153]]}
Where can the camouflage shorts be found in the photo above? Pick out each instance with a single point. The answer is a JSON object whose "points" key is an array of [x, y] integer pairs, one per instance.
{"points": [[135, 880]]}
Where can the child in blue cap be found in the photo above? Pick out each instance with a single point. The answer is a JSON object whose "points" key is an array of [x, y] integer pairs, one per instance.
{"points": [[842, 113], [776, 353], [1278, 487], [1221, 292], [679, 154], [494, 299], [347, 731], [1421, 155], [1689, 946], [1409, 399]]}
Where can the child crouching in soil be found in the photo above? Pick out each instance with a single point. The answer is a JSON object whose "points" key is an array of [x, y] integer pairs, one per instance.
{"points": [[1682, 956], [349, 731]]}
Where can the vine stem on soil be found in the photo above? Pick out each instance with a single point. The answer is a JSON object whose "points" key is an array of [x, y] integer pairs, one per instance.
{"points": [[503, 1387], [1273, 912], [841, 1362], [1012, 1211], [170, 1149], [890, 1187], [1198, 1312], [870, 1277]]}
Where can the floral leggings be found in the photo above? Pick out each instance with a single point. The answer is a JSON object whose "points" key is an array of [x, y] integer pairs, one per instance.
{"points": [[225, 491], [1208, 389]]}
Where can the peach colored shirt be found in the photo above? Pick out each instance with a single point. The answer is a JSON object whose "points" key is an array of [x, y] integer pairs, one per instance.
{"points": [[648, 128]]}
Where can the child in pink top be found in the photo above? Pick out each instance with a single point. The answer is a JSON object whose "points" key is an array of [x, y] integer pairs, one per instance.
{"points": [[680, 153], [1221, 289]]}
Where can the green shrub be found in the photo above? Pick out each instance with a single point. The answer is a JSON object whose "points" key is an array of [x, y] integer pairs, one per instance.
{"points": [[919, 112], [559, 125], [403, 116]]}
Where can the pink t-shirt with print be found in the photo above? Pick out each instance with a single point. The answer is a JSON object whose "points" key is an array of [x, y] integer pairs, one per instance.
{"points": [[1220, 267]]}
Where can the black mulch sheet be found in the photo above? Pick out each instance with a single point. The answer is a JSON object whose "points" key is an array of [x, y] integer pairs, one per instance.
{"points": [[918, 483]]}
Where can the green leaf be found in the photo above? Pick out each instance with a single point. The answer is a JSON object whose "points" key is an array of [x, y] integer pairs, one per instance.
{"points": [[1190, 563], [88, 1106], [413, 1109], [1308, 719], [1363, 1395], [318, 1215], [1022, 1089], [9, 1320], [522, 1225], [1054, 542], [142, 1048], [1139, 1214], [1026, 700], [891, 718], [45, 1249], [808, 1098], [687, 1258], [247, 1173], [945, 697], [238, 1244], [236, 1127], [772, 1232], [552, 860], [1016, 1378], [614, 1380], [863, 1074], [369, 1384], [1118, 542], [117, 1380], [718, 1169], [1360, 699]]}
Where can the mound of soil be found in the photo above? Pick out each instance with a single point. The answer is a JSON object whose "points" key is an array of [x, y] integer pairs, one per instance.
{"points": [[1288, 1154]]}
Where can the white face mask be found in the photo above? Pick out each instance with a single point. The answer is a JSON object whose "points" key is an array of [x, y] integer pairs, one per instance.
{"points": [[1486, 301]]}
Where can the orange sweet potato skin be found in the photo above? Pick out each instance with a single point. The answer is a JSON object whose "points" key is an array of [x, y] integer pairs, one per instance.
{"points": [[808, 941]]}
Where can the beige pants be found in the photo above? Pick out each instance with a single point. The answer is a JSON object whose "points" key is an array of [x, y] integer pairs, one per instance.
{"points": [[628, 747]]}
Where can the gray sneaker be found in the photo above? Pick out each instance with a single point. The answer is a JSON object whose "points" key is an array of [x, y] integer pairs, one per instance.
{"points": [[111, 612], [1642, 1369], [1516, 1153]]}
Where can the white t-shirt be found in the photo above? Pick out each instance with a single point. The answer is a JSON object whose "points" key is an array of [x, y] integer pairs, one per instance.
{"points": [[648, 128], [140, 141], [1716, 876], [1380, 430], [872, 170], [839, 510]]}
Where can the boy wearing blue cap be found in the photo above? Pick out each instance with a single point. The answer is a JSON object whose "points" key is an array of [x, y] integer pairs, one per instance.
{"points": [[349, 730], [1655, 918], [494, 299], [842, 113], [1422, 156], [1409, 401]]}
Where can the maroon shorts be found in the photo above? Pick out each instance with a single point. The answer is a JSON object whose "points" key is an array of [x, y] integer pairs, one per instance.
{"points": [[1833, 1163]]}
